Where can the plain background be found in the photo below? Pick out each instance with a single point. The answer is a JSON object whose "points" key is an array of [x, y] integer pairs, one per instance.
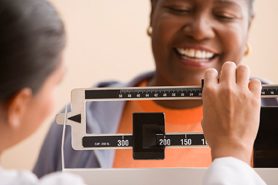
{"points": [[107, 41]]}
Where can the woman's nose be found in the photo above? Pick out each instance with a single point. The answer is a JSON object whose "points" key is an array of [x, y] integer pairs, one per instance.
{"points": [[199, 28]]}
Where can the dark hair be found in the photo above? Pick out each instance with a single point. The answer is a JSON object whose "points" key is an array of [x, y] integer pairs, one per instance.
{"points": [[32, 37]]}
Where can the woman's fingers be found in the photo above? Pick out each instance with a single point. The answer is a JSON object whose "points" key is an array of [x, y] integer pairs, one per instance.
{"points": [[211, 77], [242, 75], [255, 86], [227, 75]]}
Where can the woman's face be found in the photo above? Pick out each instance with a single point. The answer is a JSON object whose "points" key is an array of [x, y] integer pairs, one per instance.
{"points": [[190, 36], [41, 104]]}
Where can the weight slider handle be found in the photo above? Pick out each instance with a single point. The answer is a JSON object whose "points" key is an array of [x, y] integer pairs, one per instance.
{"points": [[146, 126]]}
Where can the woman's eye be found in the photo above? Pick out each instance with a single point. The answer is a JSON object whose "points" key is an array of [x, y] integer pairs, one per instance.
{"points": [[179, 10], [225, 17]]}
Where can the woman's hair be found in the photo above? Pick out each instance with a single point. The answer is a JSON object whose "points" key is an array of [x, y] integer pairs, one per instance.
{"points": [[32, 37]]}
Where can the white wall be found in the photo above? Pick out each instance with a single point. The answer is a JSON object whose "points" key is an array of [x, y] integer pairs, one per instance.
{"points": [[107, 40]]}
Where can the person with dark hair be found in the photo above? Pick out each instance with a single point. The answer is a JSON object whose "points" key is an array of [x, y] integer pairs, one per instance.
{"points": [[188, 37], [32, 38]]}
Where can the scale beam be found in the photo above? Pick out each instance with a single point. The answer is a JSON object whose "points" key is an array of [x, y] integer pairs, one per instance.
{"points": [[148, 139]]}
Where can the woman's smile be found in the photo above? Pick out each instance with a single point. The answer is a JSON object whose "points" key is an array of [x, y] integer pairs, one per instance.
{"points": [[196, 57]]}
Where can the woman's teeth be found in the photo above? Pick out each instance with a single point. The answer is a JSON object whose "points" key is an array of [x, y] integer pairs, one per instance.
{"points": [[195, 54]]}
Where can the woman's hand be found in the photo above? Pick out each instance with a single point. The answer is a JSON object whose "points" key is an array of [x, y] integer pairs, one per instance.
{"points": [[231, 111]]}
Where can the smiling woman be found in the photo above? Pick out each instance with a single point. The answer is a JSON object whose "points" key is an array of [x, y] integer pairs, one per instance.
{"points": [[191, 36], [187, 37]]}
